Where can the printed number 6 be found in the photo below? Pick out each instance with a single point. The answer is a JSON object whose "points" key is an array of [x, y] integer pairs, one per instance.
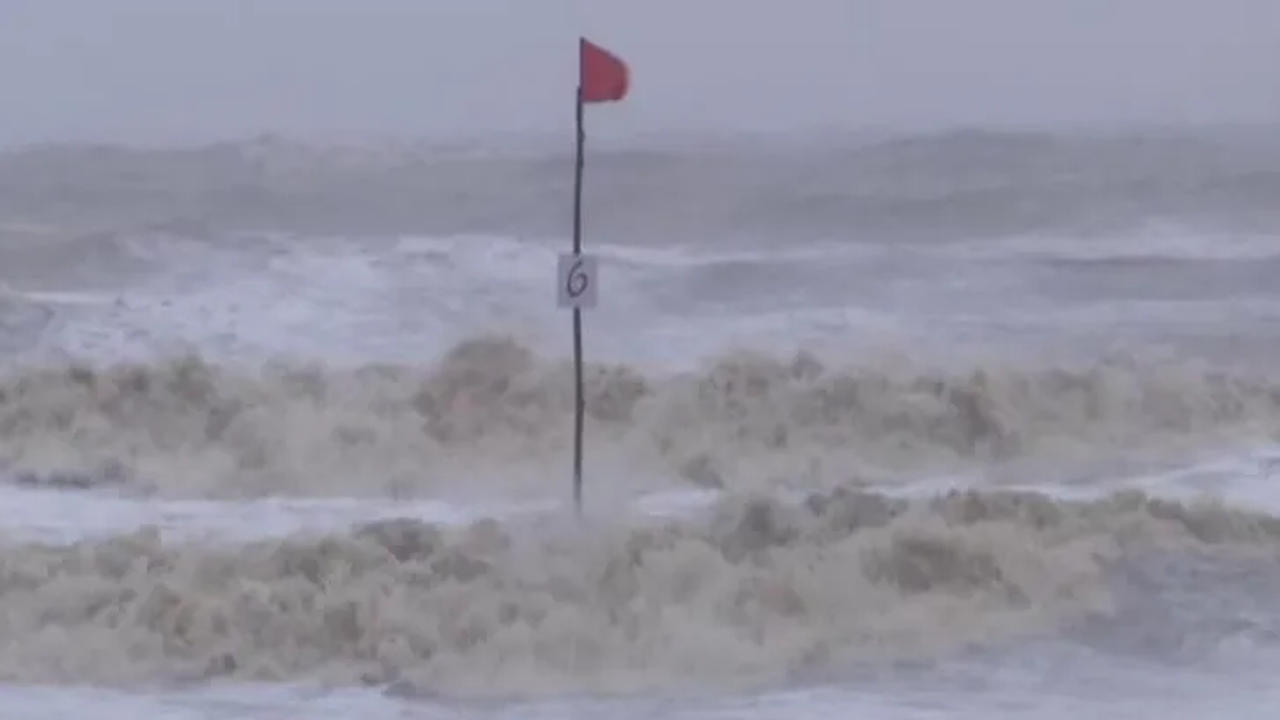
{"points": [[576, 282]]}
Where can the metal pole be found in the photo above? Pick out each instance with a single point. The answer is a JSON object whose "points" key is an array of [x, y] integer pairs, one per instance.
{"points": [[580, 404]]}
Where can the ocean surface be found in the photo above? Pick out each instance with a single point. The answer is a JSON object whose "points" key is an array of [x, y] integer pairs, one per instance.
{"points": [[977, 424]]}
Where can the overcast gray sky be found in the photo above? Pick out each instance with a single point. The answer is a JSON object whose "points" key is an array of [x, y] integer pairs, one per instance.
{"points": [[186, 70]]}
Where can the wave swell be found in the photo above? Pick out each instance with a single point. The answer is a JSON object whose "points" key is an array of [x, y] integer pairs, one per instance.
{"points": [[933, 187]]}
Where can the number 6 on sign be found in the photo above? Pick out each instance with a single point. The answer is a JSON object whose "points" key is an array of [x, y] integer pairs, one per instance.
{"points": [[576, 281]]}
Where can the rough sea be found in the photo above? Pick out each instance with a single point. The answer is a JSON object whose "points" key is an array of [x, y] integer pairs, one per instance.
{"points": [[974, 424]]}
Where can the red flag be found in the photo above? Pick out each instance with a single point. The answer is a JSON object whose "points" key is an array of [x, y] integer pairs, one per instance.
{"points": [[601, 75]]}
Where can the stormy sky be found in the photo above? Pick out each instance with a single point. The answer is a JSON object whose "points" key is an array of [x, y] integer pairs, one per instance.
{"points": [[166, 71]]}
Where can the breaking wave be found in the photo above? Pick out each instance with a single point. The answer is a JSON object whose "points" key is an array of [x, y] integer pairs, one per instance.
{"points": [[754, 591], [495, 413]]}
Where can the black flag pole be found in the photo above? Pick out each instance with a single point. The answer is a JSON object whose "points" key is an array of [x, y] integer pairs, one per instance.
{"points": [[579, 402]]}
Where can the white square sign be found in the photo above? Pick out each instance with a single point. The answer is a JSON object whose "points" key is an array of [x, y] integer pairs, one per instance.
{"points": [[576, 281]]}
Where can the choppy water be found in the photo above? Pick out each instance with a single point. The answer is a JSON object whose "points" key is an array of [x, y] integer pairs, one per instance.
{"points": [[286, 432]]}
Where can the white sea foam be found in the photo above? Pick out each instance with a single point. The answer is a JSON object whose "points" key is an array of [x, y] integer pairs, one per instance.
{"points": [[755, 591], [494, 412]]}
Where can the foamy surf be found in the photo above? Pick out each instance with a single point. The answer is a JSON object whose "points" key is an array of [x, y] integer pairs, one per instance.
{"points": [[68, 515], [755, 592], [496, 413]]}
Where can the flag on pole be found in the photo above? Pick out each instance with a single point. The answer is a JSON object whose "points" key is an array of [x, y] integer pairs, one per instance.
{"points": [[604, 77]]}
